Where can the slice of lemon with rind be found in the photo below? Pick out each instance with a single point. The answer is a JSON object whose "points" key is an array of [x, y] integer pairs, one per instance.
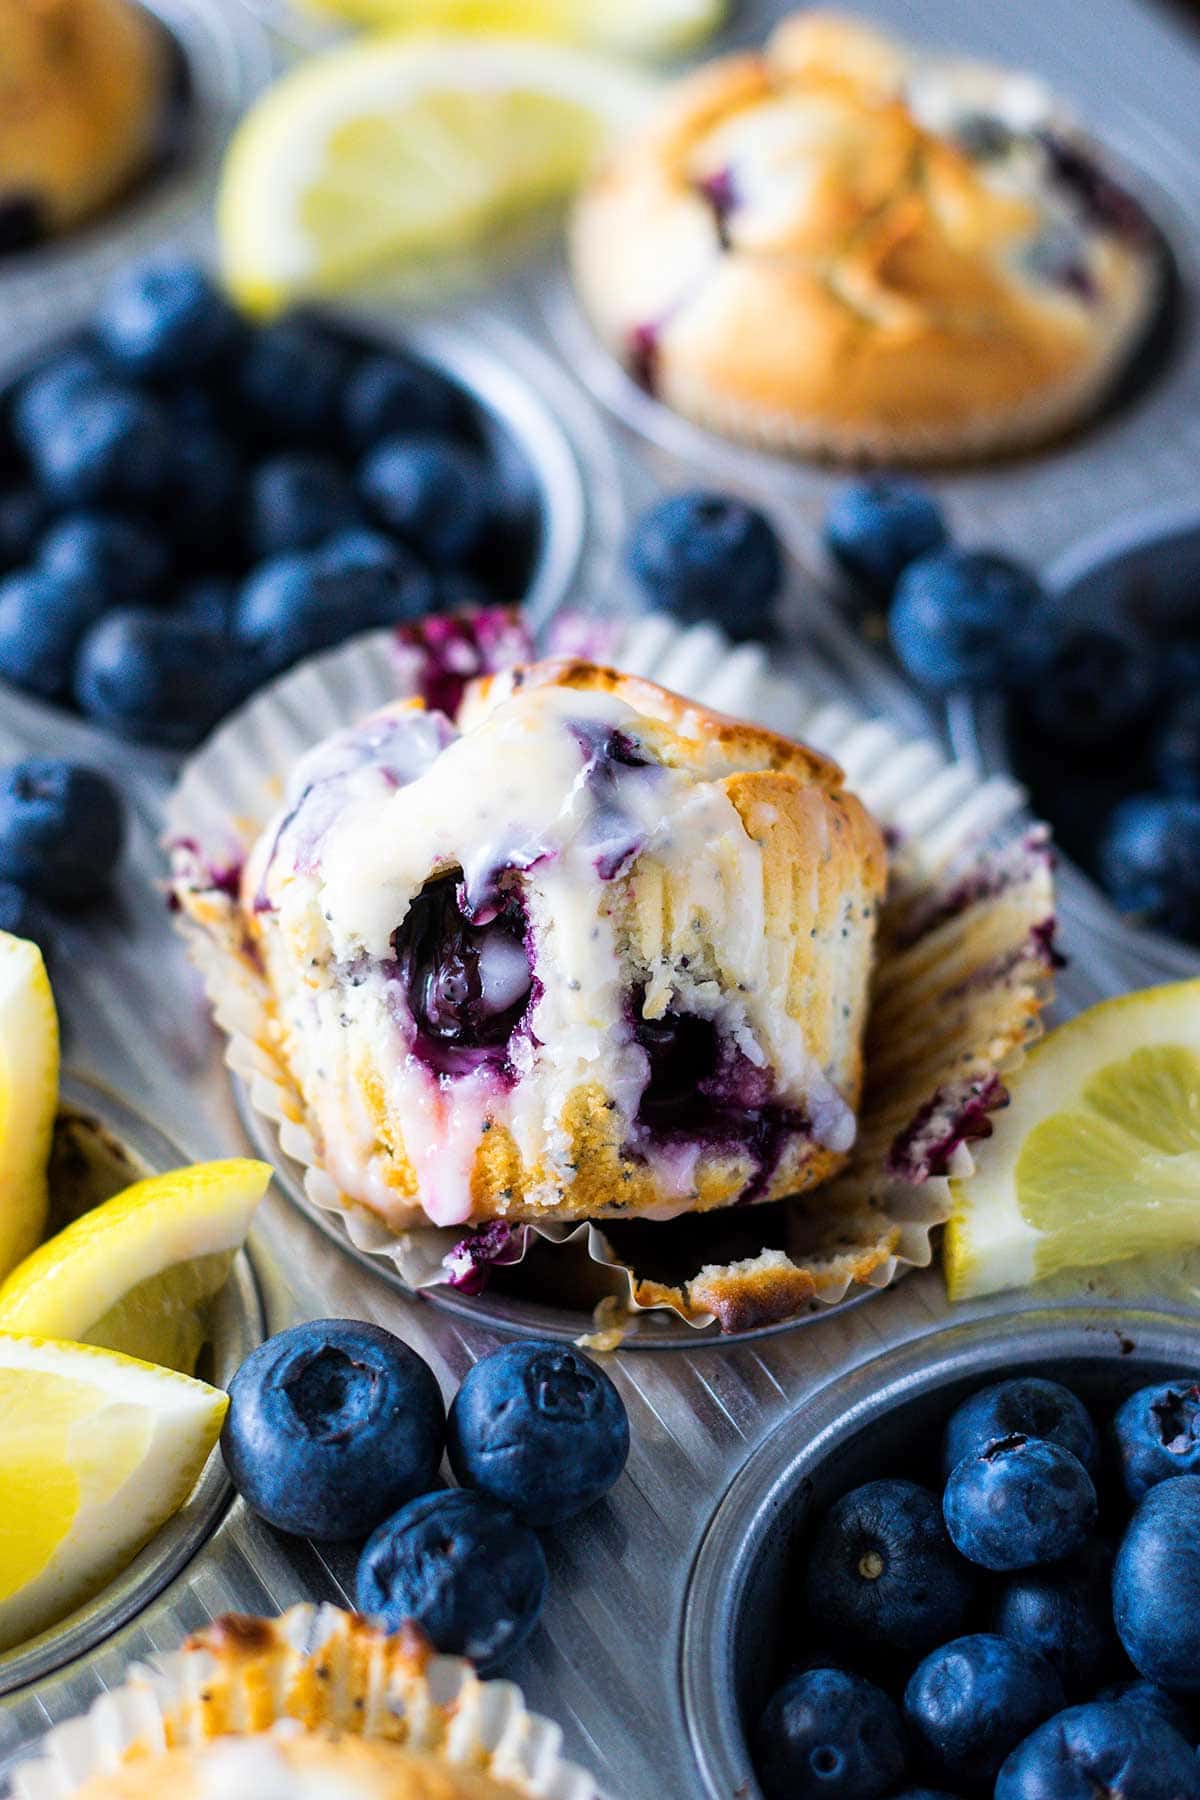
{"points": [[97, 1451], [28, 1095], [137, 1274], [1097, 1156], [631, 27], [394, 151]]}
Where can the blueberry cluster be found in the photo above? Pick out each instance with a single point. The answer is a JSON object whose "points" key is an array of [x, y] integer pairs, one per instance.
{"points": [[62, 827], [1031, 1632], [189, 504], [1108, 716], [336, 1431]]}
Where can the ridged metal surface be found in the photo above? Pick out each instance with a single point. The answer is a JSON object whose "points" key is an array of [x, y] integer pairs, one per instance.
{"points": [[605, 1661]]}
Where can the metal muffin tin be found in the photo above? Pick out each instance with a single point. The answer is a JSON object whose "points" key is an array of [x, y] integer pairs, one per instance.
{"points": [[606, 1660]]}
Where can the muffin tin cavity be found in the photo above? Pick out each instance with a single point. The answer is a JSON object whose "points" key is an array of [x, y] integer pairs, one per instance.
{"points": [[100, 1146], [883, 1419]]}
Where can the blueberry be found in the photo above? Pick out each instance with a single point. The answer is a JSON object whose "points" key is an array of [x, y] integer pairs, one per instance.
{"points": [[165, 317], [883, 1573], [1147, 1696], [332, 1425], [1149, 858], [158, 678], [209, 603], [875, 528], [361, 547], [708, 558], [466, 984], [48, 394], [42, 622], [1157, 1435], [1018, 1503], [61, 830], [829, 1735], [294, 605], [1064, 1613], [1101, 1750], [289, 378], [467, 1571], [1025, 1405], [972, 1701], [21, 915], [1095, 688], [111, 445], [122, 558], [965, 619], [201, 500], [541, 1429], [393, 395], [1156, 1585], [296, 501], [22, 517], [1176, 747], [431, 492]]}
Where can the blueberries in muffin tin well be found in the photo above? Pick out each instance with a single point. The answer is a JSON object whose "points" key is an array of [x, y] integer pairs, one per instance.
{"points": [[173, 444], [708, 558], [1025, 1404]]}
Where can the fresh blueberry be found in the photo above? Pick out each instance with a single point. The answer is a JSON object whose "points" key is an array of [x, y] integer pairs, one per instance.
{"points": [[875, 528], [122, 558], [1095, 688], [1147, 1696], [332, 1425], [467, 1571], [289, 378], [1149, 859], [1064, 1613], [22, 517], [50, 392], [829, 1735], [972, 1701], [431, 492], [1025, 1405], [296, 501], [201, 501], [21, 915], [540, 1428], [1156, 1585], [709, 558], [165, 317], [112, 445], [361, 547], [294, 605], [392, 395], [158, 678], [1101, 1750], [1176, 747], [42, 622], [61, 830], [1157, 1434], [965, 619], [882, 1572], [1019, 1503], [209, 603]]}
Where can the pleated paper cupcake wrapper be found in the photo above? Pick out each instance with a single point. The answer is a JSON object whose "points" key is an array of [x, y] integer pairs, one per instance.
{"points": [[965, 965], [314, 1668]]}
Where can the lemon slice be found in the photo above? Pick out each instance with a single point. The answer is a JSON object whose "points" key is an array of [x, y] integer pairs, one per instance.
{"points": [[633, 27], [1096, 1158], [96, 1452], [28, 1095], [137, 1273], [391, 151]]}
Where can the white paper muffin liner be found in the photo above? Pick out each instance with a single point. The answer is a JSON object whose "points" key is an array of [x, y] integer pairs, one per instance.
{"points": [[317, 1668], [964, 940]]}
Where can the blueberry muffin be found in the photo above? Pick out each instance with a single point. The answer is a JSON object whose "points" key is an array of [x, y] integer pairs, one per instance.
{"points": [[83, 87], [295, 1768], [588, 952], [842, 248]]}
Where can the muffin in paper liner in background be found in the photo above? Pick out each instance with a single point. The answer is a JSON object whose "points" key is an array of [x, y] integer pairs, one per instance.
{"points": [[964, 965], [314, 1699]]}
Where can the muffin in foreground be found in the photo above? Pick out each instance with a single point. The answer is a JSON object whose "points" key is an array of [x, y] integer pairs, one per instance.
{"points": [[842, 248], [590, 951]]}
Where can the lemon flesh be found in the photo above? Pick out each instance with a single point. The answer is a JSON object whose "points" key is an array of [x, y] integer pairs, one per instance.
{"points": [[633, 27], [1097, 1157], [397, 151], [137, 1274], [97, 1451], [28, 1096]]}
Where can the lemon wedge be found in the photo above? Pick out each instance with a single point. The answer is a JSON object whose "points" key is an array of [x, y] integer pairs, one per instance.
{"points": [[28, 1095], [96, 1453], [632, 27], [1097, 1156], [393, 151], [136, 1274]]}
